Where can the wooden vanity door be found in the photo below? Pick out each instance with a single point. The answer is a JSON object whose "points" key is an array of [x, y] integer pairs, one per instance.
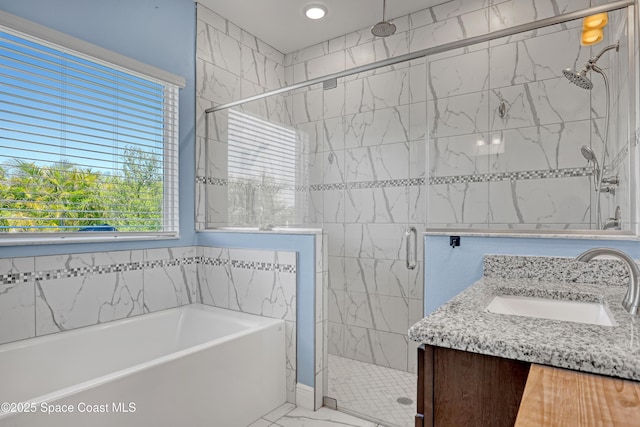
{"points": [[459, 388]]}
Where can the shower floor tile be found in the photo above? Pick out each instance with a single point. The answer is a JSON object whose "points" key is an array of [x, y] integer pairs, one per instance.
{"points": [[373, 391]]}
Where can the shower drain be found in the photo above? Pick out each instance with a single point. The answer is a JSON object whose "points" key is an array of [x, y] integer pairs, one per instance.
{"points": [[404, 401]]}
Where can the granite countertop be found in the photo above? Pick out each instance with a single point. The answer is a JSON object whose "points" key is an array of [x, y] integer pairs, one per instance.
{"points": [[463, 324]]}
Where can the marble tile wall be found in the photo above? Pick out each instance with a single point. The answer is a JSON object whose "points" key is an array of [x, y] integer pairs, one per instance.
{"points": [[230, 64], [49, 294], [256, 282], [523, 169]]}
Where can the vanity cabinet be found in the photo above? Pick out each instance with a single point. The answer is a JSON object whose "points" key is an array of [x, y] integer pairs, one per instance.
{"points": [[458, 388]]}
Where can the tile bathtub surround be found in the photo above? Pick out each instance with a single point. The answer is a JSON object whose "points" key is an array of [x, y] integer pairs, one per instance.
{"points": [[42, 295], [256, 282], [48, 294]]}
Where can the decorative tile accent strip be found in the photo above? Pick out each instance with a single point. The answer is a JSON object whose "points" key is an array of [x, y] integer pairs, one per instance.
{"points": [[387, 183], [250, 265], [364, 184], [216, 262], [264, 266], [261, 186], [325, 187], [85, 271], [14, 278], [512, 176], [11, 279], [321, 187], [211, 181]]}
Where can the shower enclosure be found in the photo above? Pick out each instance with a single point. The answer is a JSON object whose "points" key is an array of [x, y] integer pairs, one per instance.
{"points": [[350, 160], [484, 135]]}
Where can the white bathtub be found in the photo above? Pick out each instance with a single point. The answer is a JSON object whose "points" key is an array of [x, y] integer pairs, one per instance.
{"points": [[190, 366]]}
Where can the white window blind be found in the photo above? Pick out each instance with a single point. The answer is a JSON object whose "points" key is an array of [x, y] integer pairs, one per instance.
{"points": [[261, 171], [85, 146]]}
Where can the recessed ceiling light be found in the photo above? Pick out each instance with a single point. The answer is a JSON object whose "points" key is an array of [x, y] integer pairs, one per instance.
{"points": [[315, 11]]}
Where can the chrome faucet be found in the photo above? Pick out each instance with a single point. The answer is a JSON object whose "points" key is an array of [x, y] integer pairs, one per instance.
{"points": [[631, 301]]}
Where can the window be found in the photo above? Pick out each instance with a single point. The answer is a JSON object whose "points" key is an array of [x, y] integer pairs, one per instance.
{"points": [[262, 171], [86, 146]]}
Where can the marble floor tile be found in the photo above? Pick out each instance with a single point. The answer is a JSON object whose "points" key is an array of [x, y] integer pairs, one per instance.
{"points": [[261, 422], [324, 417], [279, 412]]}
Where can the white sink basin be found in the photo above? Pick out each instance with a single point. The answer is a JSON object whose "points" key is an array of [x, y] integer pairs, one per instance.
{"points": [[570, 311]]}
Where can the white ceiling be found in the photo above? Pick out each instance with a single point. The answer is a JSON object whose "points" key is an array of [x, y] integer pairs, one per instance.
{"points": [[282, 24]]}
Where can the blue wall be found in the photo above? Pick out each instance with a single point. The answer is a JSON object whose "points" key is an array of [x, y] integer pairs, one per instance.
{"points": [[449, 271], [304, 245], [157, 32]]}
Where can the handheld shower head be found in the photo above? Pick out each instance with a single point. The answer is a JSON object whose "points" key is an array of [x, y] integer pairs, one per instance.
{"points": [[589, 154], [578, 78]]}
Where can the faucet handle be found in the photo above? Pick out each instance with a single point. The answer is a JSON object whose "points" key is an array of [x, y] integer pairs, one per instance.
{"points": [[608, 189]]}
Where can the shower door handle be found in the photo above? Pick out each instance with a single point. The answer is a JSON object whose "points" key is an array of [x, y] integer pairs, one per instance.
{"points": [[411, 261]]}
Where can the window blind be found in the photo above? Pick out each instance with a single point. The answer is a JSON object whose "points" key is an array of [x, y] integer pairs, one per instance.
{"points": [[85, 146], [261, 171]]}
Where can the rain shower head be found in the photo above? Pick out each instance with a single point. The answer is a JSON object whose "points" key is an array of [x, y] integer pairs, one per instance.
{"points": [[383, 28], [579, 79]]}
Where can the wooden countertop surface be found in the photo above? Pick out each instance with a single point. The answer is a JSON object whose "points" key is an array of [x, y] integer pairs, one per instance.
{"points": [[559, 397]]}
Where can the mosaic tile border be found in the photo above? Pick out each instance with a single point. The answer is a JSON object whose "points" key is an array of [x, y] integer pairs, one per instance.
{"points": [[210, 180], [409, 182], [512, 176], [437, 180], [269, 187], [24, 277], [249, 265]]}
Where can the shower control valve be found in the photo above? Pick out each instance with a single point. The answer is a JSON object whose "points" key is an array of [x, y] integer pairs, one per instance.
{"points": [[613, 179], [608, 189]]}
